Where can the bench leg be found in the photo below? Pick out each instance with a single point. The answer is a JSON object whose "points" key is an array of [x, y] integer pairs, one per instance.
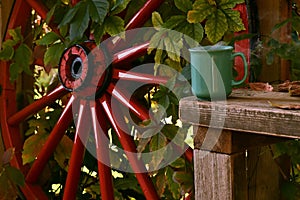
{"points": [[227, 172]]}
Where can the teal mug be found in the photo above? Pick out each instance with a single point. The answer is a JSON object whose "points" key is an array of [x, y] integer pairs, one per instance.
{"points": [[211, 71]]}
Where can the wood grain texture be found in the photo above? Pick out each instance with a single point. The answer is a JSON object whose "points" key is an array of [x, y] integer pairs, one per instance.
{"points": [[263, 176], [215, 177], [245, 111], [229, 142]]}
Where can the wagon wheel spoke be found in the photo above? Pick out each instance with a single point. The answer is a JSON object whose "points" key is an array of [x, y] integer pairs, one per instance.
{"points": [[100, 128], [81, 136], [53, 140], [130, 150], [36, 106]]}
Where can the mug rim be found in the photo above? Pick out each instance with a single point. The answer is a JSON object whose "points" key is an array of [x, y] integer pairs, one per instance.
{"points": [[210, 48]]}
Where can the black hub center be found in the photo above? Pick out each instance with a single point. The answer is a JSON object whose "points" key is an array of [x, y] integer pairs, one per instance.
{"points": [[76, 68]]}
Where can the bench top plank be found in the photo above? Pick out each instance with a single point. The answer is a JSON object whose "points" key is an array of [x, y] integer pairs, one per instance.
{"points": [[246, 111]]}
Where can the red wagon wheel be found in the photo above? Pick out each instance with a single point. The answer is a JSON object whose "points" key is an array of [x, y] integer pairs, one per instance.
{"points": [[77, 75], [77, 72]]}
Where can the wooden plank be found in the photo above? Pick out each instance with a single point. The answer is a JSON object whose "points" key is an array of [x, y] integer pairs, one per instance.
{"points": [[253, 176], [229, 142], [215, 178], [245, 111], [264, 178]]}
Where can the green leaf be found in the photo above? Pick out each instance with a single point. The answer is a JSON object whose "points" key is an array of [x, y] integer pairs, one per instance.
{"points": [[179, 163], [64, 30], [53, 54], [212, 2], [281, 24], [173, 44], [33, 146], [80, 24], [16, 34], [51, 13], [151, 131], [68, 17], [228, 4], [98, 10], [201, 10], [7, 53], [216, 26], [9, 42], [184, 5], [296, 23], [170, 130], [157, 142], [63, 152], [114, 25], [234, 20], [14, 71], [142, 144], [125, 184], [23, 58], [48, 39], [180, 24], [98, 33], [159, 53], [15, 175], [173, 186], [157, 20], [156, 41], [175, 21], [169, 72], [185, 179], [119, 6], [160, 183], [290, 190]]}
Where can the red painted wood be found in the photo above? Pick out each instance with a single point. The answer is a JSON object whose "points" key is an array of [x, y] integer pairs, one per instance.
{"points": [[136, 21], [82, 131], [129, 146], [130, 54], [102, 150], [124, 99], [36, 106], [53, 140], [34, 192], [243, 45], [138, 77], [143, 14], [189, 154], [39, 7]]}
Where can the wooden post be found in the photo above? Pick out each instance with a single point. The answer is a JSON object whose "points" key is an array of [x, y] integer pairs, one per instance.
{"points": [[233, 168], [5, 8], [271, 13]]}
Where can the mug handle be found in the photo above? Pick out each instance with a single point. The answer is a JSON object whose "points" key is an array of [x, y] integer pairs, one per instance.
{"points": [[233, 83]]}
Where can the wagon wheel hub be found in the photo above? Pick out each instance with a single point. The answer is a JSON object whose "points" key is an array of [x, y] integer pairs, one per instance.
{"points": [[83, 69]]}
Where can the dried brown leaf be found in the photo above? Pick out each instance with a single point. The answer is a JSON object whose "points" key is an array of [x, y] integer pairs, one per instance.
{"points": [[259, 86], [285, 106]]}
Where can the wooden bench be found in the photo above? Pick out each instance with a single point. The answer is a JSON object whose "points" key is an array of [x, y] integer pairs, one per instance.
{"points": [[229, 162]]}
